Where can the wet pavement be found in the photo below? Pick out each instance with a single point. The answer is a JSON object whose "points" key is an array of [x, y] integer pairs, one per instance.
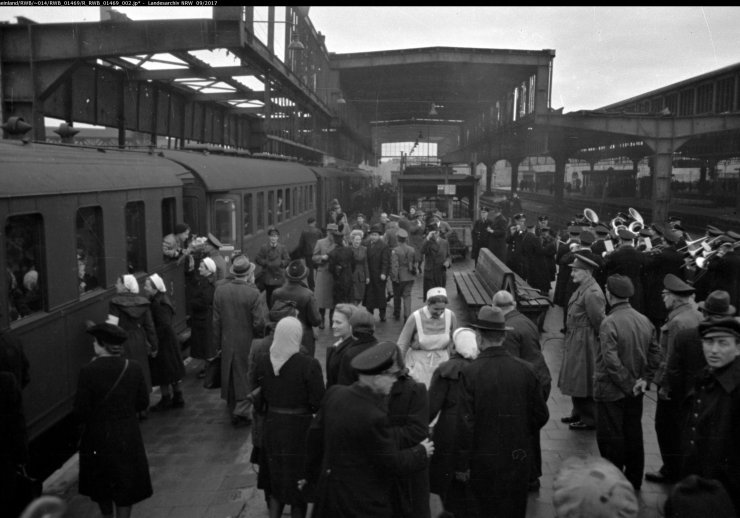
{"points": [[200, 467]]}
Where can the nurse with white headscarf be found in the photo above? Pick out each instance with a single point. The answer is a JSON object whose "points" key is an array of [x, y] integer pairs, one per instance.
{"points": [[443, 405], [131, 312], [292, 387]]}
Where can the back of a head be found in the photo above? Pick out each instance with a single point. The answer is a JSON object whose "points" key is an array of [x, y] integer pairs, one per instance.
{"points": [[362, 322], [697, 497], [592, 487], [503, 299]]}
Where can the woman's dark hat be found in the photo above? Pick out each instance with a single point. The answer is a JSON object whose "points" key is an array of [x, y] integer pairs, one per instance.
{"points": [[717, 303], [376, 359], [491, 318], [296, 270], [108, 334], [241, 266]]}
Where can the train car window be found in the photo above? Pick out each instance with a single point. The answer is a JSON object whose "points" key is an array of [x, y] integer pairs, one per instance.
{"points": [[26, 268], [224, 220], [90, 251], [270, 208], [169, 215], [247, 217], [299, 200], [280, 205], [287, 208], [260, 210], [311, 205], [191, 215], [135, 237]]}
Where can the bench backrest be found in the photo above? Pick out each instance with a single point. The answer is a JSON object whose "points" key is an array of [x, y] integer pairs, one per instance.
{"points": [[494, 273]]}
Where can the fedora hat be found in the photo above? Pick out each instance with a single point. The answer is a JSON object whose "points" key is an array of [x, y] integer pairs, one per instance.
{"points": [[296, 270], [241, 266], [717, 303], [108, 333], [491, 319]]}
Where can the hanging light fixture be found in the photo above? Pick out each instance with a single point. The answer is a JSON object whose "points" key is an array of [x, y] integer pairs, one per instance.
{"points": [[433, 111], [295, 43]]}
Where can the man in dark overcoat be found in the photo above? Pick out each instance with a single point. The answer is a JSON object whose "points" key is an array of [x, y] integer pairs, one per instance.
{"points": [[350, 449], [379, 267], [479, 234], [497, 230], [711, 426], [657, 266], [236, 313], [501, 409], [435, 254], [305, 302], [515, 252], [306, 244], [627, 260]]}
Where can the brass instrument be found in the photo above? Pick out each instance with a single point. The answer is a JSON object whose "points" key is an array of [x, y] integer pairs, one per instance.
{"points": [[691, 243], [591, 216]]}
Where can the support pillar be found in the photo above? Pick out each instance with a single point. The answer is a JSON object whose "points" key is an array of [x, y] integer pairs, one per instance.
{"points": [[661, 173], [489, 177], [558, 181], [515, 173]]}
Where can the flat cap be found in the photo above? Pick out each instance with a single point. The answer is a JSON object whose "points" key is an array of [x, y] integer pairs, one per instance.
{"points": [[402, 233], [620, 286], [376, 359], [625, 234], [584, 263], [675, 285], [720, 327], [108, 334], [376, 229]]}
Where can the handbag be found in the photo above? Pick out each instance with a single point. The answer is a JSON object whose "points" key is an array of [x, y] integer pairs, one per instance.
{"points": [[27, 488], [212, 379]]}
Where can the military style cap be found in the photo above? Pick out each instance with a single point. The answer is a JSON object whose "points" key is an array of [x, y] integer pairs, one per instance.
{"points": [[620, 286], [402, 233], [213, 240], [673, 219], [658, 228], [676, 285], [587, 237], [273, 230], [720, 326], [360, 215], [583, 263], [376, 359], [108, 334], [714, 231], [733, 235], [624, 233], [543, 218], [646, 232], [601, 229], [574, 231], [672, 236], [520, 216]]}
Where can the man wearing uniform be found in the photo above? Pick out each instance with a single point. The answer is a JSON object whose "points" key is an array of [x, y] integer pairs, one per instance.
{"points": [[350, 450], [306, 244], [435, 253], [479, 234], [497, 230], [515, 258], [626, 260], [682, 315], [273, 257], [627, 357], [543, 222], [584, 315], [403, 274], [657, 265]]}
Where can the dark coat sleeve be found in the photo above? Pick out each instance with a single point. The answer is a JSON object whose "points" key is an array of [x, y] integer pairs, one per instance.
{"points": [[465, 424], [409, 414], [315, 385], [437, 394]]}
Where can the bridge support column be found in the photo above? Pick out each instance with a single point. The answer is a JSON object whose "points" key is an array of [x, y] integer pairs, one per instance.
{"points": [[558, 180], [662, 168], [514, 174]]}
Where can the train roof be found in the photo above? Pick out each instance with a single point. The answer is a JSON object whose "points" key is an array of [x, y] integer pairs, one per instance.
{"points": [[223, 172], [333, 172], [44, 169]]}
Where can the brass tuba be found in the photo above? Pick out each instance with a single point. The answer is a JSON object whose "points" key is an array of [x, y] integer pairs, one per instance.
{"points": [[591, 216], [638, 222]]}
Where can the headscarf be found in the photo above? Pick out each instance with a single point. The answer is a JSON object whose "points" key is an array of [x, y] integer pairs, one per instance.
{"points": [[210, 264], [287, 342], [158, 283], [466, 343], [130, 283]]}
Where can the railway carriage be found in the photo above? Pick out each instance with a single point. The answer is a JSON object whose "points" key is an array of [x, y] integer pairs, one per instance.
{"points": [[76, 218]]}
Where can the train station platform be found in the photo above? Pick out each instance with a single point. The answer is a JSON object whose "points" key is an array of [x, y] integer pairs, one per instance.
{"points": [[200, 466]]}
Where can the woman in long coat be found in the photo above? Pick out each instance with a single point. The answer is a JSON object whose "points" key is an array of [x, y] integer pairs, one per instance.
{"points": [[130, 311], [342, 331], [443, 405], [340, 266], [360, 273], [110, 392], [324, 279], [292, 388], [201, 316], [167, 367]]}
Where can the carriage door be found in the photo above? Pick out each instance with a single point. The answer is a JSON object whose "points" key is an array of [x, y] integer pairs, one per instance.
{"points": [[224, 221]]}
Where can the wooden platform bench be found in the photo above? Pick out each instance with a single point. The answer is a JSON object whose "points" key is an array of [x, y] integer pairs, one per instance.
{"points": [[477, 287]]}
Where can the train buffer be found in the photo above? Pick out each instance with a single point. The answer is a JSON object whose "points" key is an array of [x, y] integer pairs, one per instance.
{"points": [[491, 275]]}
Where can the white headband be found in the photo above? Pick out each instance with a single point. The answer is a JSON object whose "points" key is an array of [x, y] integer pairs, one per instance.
{"points": [[158, 282], [129, 281], [210, 264]]}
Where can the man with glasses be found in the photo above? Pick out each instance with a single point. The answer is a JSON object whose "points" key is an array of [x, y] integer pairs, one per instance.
{"points": [[351, 453], [677, 297]]}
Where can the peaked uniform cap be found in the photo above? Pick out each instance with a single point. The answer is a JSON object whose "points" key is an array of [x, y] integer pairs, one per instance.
{"points": [[675, 285], [376, 359], [584, 263]]}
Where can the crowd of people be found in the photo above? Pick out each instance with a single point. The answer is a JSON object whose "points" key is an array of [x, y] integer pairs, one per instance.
{"points": [[444, 409]]}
